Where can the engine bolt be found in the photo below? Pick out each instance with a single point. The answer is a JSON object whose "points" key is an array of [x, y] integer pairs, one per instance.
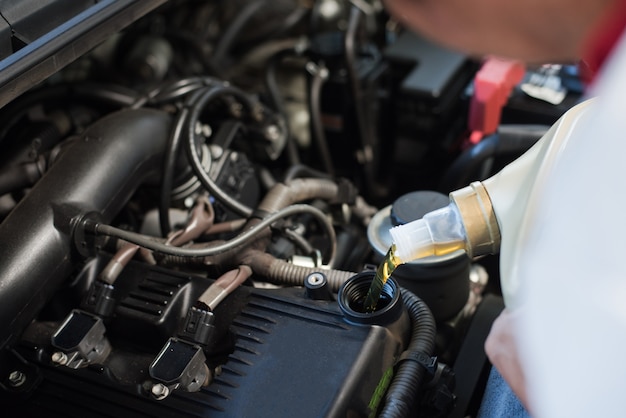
{"points": [[17, 378], [315, 278], [160, 391], [59, 358]]}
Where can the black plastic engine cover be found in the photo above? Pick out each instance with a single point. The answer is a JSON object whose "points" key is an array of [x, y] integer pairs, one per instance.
{"points": [[288, 356]]}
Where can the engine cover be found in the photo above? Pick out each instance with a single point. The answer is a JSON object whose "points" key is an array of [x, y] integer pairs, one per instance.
{"points": [[279, 352]]}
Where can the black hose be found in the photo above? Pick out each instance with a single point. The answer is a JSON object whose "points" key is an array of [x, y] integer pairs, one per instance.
{"points": [[366, 131], [198, 106], [315, 109], [116, 96], [510, 139], [463, 169], [179, 88], [402, 393], [161, 96], [299, 240], [229, 36], [171, 158]]}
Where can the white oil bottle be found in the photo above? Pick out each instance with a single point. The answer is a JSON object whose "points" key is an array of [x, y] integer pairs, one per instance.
{"points": [[490, 216]]}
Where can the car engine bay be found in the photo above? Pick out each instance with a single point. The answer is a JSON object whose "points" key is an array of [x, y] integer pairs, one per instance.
{"points": [[194, 197]]}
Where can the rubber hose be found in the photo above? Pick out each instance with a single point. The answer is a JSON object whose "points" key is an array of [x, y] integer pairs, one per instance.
{"points": [[298, 190], [402, 393], [288, 274], [315, 109], [510, 139], [301, 170]]}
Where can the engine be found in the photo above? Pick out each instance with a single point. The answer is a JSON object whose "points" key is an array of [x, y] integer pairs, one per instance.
{"points": [[194, 197]]}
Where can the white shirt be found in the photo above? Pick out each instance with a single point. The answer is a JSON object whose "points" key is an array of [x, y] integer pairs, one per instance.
{"points": [[572, 266]]}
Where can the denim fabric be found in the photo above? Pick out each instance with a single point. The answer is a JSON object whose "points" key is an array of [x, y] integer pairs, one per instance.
{"points": [[499, 401]]}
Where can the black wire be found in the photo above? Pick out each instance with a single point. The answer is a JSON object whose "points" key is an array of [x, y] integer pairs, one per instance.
{"points": [[365, 131], [173, 147], [117, 96], [299, 240], [229, 36], [204, 98], [169, 166], [153, 243], [316, 121], [180, 88]]}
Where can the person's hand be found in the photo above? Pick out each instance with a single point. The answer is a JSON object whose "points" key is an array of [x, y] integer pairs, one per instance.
{"points": [[501, 348]]}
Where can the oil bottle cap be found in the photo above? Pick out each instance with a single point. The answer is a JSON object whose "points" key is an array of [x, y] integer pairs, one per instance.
{"points": [[413, 240]]}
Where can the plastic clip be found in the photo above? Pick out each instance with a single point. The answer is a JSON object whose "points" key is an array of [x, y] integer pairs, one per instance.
{"points": [[424, 360]]}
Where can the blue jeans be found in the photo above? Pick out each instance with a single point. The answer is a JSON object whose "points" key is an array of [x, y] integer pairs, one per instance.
{"points": [[499, 401]]}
